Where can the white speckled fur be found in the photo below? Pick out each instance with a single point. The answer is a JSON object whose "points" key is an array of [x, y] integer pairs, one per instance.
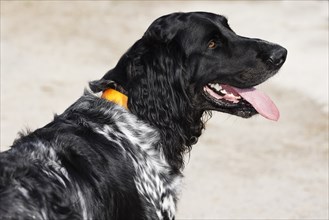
{"points": [[149, 161]]}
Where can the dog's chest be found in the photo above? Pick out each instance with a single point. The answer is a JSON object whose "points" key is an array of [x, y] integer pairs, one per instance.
{"points": [[156, 186]]}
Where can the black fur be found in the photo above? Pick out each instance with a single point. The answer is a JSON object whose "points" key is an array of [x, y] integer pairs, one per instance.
{"points": [[99, 161]]}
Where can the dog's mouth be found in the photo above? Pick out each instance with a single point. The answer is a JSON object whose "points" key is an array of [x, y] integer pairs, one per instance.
{"points": [[240, 102]]}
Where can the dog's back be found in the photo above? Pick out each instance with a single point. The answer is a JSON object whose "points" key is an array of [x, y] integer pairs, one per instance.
{"points": [[95, 161]]}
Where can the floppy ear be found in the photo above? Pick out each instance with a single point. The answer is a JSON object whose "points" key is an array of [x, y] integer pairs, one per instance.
{"points": [[157, 81], [158, 94]]}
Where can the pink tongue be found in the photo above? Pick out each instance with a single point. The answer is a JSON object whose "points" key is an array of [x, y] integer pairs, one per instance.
{"points": [[261, 102]]}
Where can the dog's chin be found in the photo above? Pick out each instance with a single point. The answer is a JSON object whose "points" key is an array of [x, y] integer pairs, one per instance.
{"points": [[219, 97]]}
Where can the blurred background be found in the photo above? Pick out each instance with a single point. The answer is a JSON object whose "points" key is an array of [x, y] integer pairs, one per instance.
{"points": [[240, 169]]}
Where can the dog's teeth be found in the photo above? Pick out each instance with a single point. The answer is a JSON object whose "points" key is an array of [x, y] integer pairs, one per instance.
{"points": [[233, 96], [217, 87], [223, 91]]}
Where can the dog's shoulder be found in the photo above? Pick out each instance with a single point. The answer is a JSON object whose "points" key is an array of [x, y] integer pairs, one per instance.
{"points": [[92, 143]]}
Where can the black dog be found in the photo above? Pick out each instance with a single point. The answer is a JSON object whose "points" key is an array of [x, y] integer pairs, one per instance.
{"points": [[120, 156]]}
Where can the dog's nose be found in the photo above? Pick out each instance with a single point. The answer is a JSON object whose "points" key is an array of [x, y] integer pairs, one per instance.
{"points": [[277, 57]]}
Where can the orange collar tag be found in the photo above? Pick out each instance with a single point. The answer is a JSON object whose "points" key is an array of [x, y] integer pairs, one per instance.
{"points": [[116, 97]]}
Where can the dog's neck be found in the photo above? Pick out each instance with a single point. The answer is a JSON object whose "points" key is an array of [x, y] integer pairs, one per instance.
{"points": [[177, 138], [116, 96]]}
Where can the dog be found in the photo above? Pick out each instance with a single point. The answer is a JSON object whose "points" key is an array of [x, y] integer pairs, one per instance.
{"points": [[118, 151]]}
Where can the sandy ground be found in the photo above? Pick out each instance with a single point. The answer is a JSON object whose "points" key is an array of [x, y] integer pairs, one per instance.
{"points": [[240, 169]]}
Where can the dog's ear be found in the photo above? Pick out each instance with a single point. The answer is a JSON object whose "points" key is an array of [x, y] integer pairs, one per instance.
{"points": [[157, 81], [159, 94]]}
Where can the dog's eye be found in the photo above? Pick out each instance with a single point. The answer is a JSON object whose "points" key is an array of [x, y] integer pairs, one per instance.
{"points": [[212, 44]]}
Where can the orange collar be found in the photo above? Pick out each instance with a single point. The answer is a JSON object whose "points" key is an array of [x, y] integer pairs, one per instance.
{"points": [[116, 97]]}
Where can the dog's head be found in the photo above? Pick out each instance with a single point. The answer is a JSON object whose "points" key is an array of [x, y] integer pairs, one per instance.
{"points": [[200, 57], [222, 66], [190, 63]]}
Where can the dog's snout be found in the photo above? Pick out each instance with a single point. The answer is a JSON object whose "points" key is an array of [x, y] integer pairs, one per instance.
{"points": [[277, 57]]}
